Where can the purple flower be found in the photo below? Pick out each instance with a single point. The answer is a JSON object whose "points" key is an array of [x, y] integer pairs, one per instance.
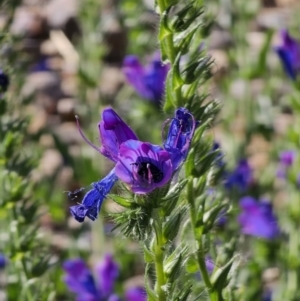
{"points": [[79, 280], [113, 132], [179, 136], [108, 272], [93, 199], [136, 294], [289, 53], [241, 177], [257, 218], [287, 158], [3, 261], [143, 166], [149, 81], [4, 81]]}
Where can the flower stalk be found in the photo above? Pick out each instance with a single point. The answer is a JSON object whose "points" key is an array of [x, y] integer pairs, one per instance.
{"points": [[159, 259]]}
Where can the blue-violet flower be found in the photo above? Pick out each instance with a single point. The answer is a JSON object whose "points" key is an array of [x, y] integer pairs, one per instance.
{"points": [[289, 53], [257, 218], [79, 280], [148, 81], [113, 132], [143, 166], [179, 137], [241, 177]]}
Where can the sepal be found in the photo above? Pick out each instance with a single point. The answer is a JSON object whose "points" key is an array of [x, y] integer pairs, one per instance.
{"points": [[210, 217], [185, 17], [170, 200], [173, 223], [120, 200], [174, 263], [134, 223], [196, 69]]}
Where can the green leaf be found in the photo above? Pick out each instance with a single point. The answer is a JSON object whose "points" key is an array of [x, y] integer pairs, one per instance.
{"points": [[170, 104], [148, 255], [122, 201], [172, 225], [220, 277], [192, 265]]}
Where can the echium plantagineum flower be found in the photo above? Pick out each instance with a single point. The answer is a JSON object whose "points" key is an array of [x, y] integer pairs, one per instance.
{"points": [[241, 177], [80, 280], [257, 218], [141, 165], [4, 81], [289, 53], [113, 132], [148, 81]]}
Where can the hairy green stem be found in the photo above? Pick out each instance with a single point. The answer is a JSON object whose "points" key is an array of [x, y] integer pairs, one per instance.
{"points": [[171, 48], [158, 260]]}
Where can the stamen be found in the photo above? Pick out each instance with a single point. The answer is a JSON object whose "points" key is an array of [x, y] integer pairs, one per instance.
{"points": [[178, 132], [84, 137], [150, 176], [134, 173]]}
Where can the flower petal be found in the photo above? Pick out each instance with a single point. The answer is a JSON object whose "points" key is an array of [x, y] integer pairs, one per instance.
{"points": [[113, 132], [143, 166], [92, 201], [180, 134]]}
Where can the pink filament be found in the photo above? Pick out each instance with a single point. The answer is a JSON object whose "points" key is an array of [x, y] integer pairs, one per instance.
{"points": [[84, 137]]}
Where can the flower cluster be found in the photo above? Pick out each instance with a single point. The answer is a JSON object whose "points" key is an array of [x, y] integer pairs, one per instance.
{"points": [[81, 281], [257, 218], [289, 53], [148, 81], [141, 165]]}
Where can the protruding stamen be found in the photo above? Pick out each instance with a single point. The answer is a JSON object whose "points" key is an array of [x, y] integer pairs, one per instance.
{"points": [[150, 176], [84, 137]]}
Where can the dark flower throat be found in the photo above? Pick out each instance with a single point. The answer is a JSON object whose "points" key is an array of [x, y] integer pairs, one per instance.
{"points": [[145, 167]]}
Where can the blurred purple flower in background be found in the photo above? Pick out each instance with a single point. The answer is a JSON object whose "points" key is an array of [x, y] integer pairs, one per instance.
{"points": [[257, 218], [113, 132], [4, 81], [148, 81], [143, 166], [136, 294], [219, 159], [241, 177], [289, 53], [79, 280], [286, 160], [3, 261]]}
